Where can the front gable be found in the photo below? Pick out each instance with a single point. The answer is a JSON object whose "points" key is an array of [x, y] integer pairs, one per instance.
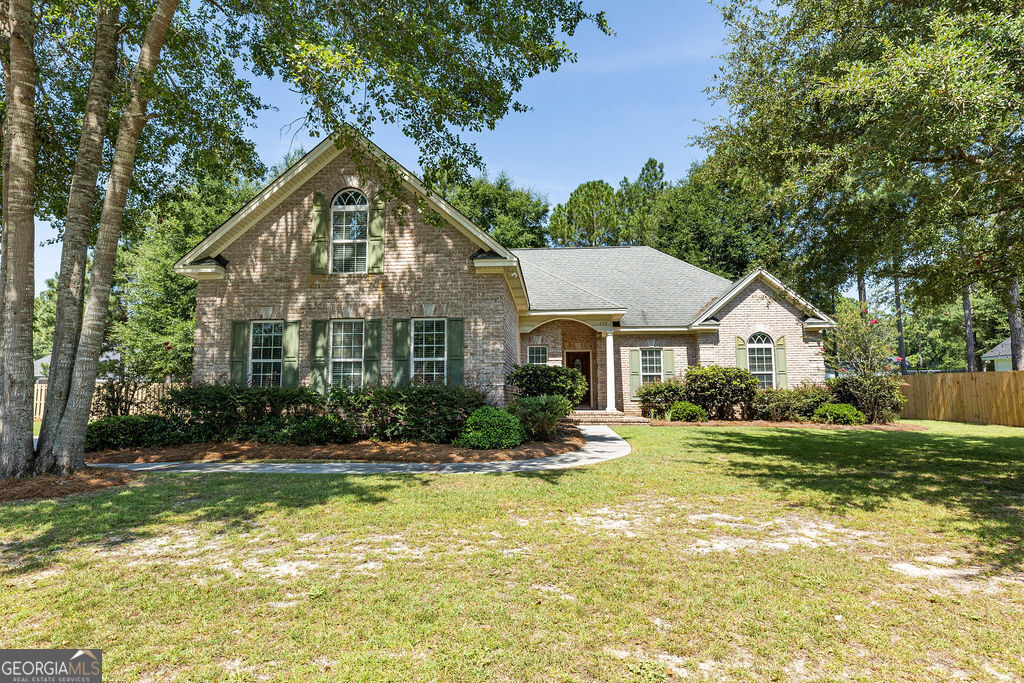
{"points": [[278, 227]]}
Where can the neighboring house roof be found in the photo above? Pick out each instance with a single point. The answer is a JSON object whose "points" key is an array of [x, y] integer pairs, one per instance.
{"points": [[654, 289], [1001, 350], [45, 360]]}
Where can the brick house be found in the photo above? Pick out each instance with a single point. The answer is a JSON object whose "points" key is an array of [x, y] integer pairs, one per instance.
{"points": [[316, 281]]}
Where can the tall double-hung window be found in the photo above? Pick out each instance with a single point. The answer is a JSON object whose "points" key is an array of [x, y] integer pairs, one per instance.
{"points": [[761, 359], [349, 217], [429, 351]]}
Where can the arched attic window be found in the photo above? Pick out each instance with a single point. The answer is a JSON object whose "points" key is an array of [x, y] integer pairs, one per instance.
{"points": [[761, 359], [349, 218]]}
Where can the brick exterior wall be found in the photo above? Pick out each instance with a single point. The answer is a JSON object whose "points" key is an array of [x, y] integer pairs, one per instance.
{"points": [[685, 354], [268, 278], [759, 309]]}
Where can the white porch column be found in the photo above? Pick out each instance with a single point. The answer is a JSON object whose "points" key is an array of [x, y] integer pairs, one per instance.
{"points": [[609, 363]]}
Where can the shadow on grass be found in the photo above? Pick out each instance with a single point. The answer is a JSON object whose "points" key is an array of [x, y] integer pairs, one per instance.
{"points": [[110, 518], [869, 470]]}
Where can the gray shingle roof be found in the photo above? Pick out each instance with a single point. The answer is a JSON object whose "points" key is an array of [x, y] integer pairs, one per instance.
{"points": [[656, 289], [1002, 349]]}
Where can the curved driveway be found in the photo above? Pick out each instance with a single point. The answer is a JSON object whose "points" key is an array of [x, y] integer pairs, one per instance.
{"points": [[602, 444]]}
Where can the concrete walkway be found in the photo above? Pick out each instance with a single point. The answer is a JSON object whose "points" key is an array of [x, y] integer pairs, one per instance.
{"points": [[602, 444]]}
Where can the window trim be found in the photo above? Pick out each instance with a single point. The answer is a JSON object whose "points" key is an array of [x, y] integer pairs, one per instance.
{"points": [[330, 349], [661, 365], [365, 241], [412, 348], [280, 361], [770, 345], [547, 356]]}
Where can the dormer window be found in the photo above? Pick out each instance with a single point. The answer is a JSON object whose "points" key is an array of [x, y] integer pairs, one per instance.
{"points": [[349, 217]]}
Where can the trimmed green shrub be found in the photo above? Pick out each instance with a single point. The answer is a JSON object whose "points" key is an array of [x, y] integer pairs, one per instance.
{"points": [[221, 412], [540, 414], [656, 398], [134, 431], [684, 411], [316, 431], [793, 405], [433, 413], [839, 414], [719, 390], [879, 397], [543, 380], [490, 427]]}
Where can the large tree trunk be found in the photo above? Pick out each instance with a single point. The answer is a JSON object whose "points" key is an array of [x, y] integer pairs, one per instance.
{"points": [[70, 438], [899, 322], [16, 382], [1016, 326], [969, 335], [78, 225], [862, 291]]}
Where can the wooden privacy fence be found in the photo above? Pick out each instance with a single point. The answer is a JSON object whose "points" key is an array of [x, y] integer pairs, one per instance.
{"points": [[146, 396], [977, 397]]}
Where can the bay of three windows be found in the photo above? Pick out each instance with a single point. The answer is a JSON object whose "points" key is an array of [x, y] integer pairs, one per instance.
{"points": [[428, 342]]}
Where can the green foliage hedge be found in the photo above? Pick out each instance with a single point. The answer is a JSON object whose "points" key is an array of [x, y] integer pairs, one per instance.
{"points": [[432, 413], [719, 390], [684, 411], [879, 397], [135, 431], [540, 414], [657, 398], [790, 405], [490, 427], [839, 414], [544, 380], [222, 412]]}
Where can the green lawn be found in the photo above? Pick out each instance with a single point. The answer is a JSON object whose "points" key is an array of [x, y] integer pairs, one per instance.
{"points": [[742, 553]]}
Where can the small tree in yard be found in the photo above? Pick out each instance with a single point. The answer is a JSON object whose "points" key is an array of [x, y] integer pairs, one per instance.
{"points": [[863, 342]]}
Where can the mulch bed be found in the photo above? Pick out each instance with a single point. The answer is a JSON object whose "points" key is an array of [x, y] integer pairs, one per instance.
{"points": [[569, 439], [50, 486], [897, 427]]}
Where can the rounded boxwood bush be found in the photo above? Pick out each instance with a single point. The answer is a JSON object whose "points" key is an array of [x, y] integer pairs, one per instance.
{"points": [[491, 427], [684, 411], [839, 414]]}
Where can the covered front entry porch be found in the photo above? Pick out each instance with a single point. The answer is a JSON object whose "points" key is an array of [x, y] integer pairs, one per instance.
{"points": [[586, 343]]}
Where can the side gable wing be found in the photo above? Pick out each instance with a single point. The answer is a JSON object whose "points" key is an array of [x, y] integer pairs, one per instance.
{"points": [[816, 318]]}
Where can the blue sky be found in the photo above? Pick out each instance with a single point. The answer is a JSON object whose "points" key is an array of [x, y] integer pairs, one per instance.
{"points": [[631, 96]]}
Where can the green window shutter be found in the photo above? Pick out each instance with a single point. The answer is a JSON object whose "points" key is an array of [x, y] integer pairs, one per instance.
{"points": [[401, 342], [240, 352], [634, 372], [375, 232], [741, 353], [668, 363], [781, 378], [319, 356], [290, 355], [456, 363], [321, 233], [371, 352]]}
